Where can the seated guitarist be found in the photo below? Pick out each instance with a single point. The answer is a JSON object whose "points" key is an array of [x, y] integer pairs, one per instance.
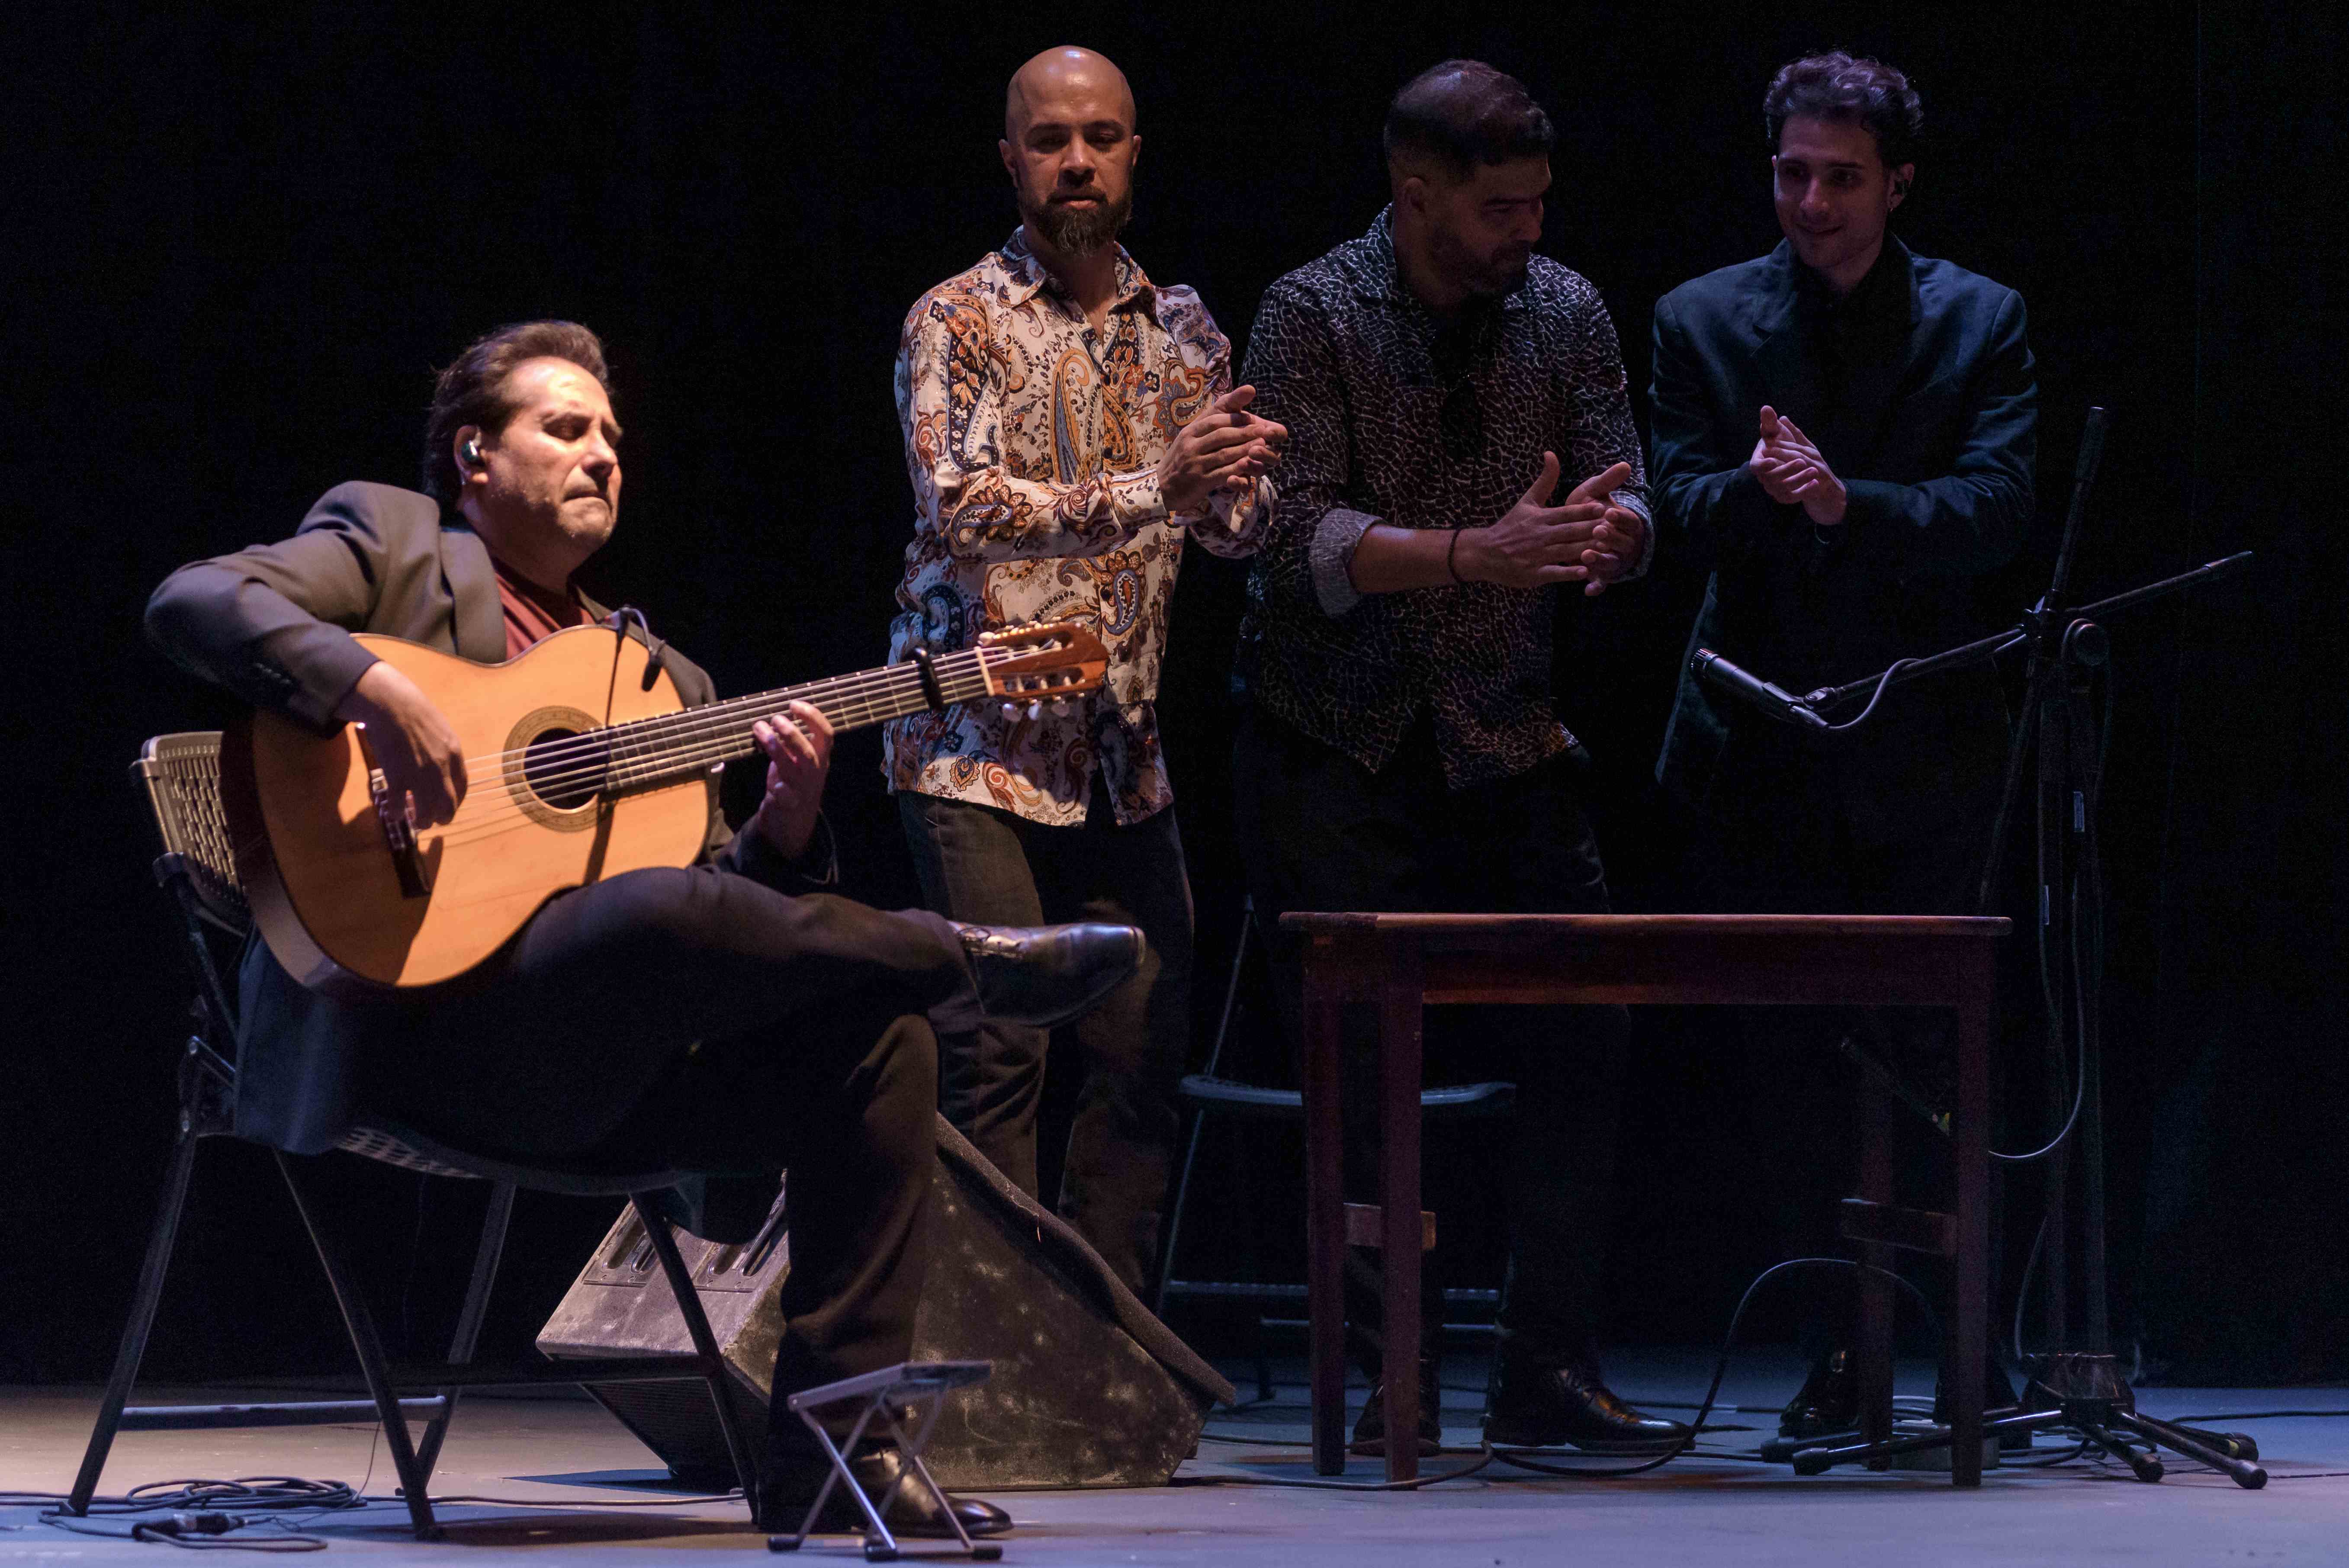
{"points": [[733, 1018]]}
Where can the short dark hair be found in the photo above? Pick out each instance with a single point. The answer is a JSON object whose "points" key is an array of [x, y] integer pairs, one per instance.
{"points": [[473, 390], [1836, 86], [1462, 113]]}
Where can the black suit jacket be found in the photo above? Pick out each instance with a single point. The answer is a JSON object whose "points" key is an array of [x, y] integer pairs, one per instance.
{"points": [[1927, 413], [273, 624]]}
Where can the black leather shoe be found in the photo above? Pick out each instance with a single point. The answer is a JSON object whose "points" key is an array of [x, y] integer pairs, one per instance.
{"points": [[1042, 975], [783, 1502], [1829, 1401], [1539, 1403], [1371, 1427]]}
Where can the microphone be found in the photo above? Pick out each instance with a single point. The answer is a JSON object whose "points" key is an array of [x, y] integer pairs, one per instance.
{"points": [[1724, 676], [2092, 449]]}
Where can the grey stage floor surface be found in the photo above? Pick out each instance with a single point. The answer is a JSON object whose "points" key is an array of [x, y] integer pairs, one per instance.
{"points": [[565, 1464]]}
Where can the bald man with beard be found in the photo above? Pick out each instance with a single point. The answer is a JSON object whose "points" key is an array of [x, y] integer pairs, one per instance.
{"points": [[1069, 424]]}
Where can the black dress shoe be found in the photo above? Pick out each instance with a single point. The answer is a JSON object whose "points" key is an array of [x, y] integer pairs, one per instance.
{"points": [[912, 1513], [1829, 1401], [1539, 1403], [1371, 1427], [1042, 975]]}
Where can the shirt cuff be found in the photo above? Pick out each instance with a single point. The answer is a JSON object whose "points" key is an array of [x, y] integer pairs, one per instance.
{"points": [[817, 870], [1331, 552], [1135, 499], [1647, 535]]}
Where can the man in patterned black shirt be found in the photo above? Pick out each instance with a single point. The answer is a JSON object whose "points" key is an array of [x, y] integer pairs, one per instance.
{"points": [[1401, 751]]}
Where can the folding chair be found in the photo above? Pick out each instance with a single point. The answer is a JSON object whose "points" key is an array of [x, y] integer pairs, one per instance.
{"points": [[1208, 1095], [181, 775]]}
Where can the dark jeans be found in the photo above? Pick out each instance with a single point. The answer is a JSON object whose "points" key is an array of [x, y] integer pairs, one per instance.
{"points": [[993, 868], [1321, 831], [698, 1019]]}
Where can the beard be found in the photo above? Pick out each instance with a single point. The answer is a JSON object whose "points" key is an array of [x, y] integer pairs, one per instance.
{"points": [[1077, 233], [1489, 276]]}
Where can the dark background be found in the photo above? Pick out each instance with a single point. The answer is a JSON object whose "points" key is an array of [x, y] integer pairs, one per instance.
{"points": [[235, 253]]}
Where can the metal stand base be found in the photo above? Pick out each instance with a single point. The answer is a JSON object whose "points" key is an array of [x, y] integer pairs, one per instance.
{"points": [[895, 1396], [2085, 1394]]}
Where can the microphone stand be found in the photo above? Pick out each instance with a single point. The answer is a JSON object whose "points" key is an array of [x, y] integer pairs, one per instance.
{"points": [[2077, 1383]]}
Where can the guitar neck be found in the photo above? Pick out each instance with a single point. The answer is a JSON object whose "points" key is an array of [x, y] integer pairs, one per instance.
{"points": [[650, 751]]}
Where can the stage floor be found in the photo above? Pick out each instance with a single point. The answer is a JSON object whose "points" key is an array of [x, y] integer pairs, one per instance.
{"points": [[567, 1458]]}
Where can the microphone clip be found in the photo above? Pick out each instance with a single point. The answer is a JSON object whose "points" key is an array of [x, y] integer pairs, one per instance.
{"points": [[618, 621]]}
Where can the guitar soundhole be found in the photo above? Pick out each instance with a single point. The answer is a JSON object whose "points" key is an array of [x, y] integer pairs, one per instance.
{"points": [[564, 770]]}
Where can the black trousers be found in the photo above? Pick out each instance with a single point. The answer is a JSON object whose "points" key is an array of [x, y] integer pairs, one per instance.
{"points": [[988, 866], [1321, 831], [698, 1019], [1799, 1092]]}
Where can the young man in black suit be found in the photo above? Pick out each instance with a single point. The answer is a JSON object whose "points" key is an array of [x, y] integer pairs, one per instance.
{"points": [[1844, 432]]}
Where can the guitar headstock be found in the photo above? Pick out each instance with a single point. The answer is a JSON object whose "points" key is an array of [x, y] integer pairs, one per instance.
{"points": [[1041, 662]]}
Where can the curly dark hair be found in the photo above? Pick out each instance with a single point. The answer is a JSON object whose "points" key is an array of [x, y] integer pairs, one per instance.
{"points": [[1836, 86], [472, 391], [1462, 113]]}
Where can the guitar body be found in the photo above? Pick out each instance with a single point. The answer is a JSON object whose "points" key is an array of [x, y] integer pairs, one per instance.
{"points": [[326, 884]]}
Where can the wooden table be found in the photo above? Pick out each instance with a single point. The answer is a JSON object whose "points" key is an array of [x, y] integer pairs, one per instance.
{"points": [[1401, 963]]}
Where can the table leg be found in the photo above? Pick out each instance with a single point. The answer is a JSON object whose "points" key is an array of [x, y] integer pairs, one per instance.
{"points": [[1401, 1007], [1970, 1127], [1875, 1346], [1325, 1210]]}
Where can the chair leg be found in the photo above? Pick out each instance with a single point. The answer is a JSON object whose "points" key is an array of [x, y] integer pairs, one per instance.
{"points": [[368, 1346], [133, 1348], [1199, 1117], [705, 1343], [494, 1224], [1175, 1218]]}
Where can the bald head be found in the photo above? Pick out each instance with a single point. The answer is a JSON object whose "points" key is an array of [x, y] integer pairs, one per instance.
{"points": [[1070, 148], [1064, 74]]}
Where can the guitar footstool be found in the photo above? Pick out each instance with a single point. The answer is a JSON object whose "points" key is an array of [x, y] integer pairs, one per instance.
{"points": [[912, 1391]]}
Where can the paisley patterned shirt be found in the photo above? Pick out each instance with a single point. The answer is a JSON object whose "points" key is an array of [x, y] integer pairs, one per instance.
{"points": [[1033, 444], [1396, 417]]}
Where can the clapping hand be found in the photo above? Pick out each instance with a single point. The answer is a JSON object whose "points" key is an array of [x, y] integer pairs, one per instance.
{"points": [[1226, 447], [1793, 472], [1616, 535], [1584, 539]]}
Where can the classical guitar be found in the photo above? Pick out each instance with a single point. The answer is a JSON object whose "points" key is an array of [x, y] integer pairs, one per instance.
{"points": [[581, 762]]}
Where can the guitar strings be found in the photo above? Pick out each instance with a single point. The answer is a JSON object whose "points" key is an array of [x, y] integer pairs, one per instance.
{"points": [[593, 755], [852, 699], [500, 814], [714, 742], [656, 742], [896, 677]]}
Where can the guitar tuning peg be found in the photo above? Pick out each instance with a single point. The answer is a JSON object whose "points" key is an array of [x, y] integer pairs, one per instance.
{"points": [[1011, 710], [1061, 706], [1035, 710]]}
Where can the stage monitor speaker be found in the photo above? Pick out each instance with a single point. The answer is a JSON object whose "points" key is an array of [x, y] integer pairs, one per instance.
{"points": [[1088, 1389]]}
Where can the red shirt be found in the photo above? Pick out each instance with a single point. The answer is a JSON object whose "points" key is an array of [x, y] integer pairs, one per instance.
{"points": [[531, 612]]}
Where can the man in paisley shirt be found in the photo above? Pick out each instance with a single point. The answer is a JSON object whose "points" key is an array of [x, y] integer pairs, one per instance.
{"points": [[1068, 424], [1401, 750]]}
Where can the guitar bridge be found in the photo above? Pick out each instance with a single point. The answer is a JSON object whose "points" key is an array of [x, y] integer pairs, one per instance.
{"points": [[397, 820]]}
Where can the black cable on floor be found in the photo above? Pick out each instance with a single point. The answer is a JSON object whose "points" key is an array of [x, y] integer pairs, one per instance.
{"points": [[1516, 1457]]}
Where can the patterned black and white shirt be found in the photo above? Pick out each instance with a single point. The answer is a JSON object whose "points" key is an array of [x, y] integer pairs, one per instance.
{"points": [[1396, 417]]}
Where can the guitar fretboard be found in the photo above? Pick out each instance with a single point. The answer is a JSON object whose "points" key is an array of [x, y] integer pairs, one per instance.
{"points": [[649, 752]]}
